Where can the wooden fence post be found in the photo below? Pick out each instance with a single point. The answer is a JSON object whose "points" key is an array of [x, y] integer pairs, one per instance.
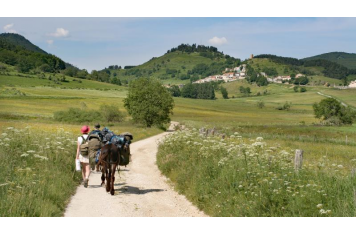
{"points": [[298, 160], [353, 172]]}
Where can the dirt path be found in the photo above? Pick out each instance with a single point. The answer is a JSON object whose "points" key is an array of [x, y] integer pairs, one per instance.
{"points": [[140, 190]]}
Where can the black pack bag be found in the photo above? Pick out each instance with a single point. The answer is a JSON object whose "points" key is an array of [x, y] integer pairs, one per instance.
{"points": [[123, 144]]}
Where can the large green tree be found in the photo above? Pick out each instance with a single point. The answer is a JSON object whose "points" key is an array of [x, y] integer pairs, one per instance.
{"points": [[330, 109], [148, 102]]}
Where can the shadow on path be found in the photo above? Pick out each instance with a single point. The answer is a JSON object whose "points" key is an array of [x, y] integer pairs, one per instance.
{"points": [[135, 190]]}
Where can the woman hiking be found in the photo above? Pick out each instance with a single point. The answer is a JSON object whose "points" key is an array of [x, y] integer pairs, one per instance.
{"points": [[84, 160]]}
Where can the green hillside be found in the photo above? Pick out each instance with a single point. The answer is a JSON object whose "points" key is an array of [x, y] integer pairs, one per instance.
{"points": [[178, 66], [346, 59], [19, 40]]}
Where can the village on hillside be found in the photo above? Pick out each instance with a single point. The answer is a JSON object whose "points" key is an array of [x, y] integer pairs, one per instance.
{"points": [[229, 75]]}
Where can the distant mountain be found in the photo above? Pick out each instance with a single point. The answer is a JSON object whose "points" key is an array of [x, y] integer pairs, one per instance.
{"points": [[346, 59], [20, 40]]}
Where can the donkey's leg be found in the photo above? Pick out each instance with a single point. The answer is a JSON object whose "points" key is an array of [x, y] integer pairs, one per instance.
{"points": [[108, 178], [103, 175], [113, 178]]}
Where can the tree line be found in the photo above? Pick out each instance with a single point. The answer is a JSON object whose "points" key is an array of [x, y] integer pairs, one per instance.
{"points": [[195, 91], [25, 60], [331, 69]]}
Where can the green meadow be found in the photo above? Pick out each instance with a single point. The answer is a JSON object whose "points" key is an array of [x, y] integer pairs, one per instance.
{"points": [[32, 102]]}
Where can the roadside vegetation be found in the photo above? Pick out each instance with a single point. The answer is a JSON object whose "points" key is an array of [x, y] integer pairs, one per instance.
{"points": [[37, 174], [238, 176]]}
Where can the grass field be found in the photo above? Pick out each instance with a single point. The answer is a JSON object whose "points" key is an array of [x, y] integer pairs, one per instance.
{"points": [[36, 180], [23, 104]]}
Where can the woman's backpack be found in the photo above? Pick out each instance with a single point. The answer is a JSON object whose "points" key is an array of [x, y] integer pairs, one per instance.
{"points": [[84, 147]]}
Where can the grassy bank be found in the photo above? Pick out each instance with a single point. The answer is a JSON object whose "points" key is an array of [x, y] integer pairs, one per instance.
{"points": [[242, 177], [37, 174]]}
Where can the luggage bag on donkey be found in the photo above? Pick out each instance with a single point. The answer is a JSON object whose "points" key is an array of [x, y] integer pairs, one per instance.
{"points": [[123, 141]]}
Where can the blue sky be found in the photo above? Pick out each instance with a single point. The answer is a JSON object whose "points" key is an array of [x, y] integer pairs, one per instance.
{"points": [[95, 43]]}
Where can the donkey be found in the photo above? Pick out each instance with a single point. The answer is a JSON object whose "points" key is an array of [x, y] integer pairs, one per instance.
{"points": [[109, 159]]}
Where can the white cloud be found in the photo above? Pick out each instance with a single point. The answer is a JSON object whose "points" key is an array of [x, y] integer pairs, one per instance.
{"points": [[218, 41], [8, 28], [50, 42], [60, 32]]}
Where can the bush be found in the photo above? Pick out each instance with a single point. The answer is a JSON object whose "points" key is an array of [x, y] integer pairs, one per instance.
{"points": [[286, 106], [75, 115], [260, 104], [224, 93], [302, 89], [333, 113], [111, 113]]}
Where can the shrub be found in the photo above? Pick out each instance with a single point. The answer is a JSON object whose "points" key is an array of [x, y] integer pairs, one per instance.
{"points": [[111, 113], [75, 115], [333, 113], [260, 104], [286, 106]]}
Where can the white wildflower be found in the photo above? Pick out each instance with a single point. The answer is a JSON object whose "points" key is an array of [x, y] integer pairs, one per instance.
{"points": [[10, 128], [340, 166], [319, 205], [31, 151], [24, 155], [322, 211]]}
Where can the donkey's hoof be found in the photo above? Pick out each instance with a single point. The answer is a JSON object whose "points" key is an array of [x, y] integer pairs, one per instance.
{"points": [[112, 192]]}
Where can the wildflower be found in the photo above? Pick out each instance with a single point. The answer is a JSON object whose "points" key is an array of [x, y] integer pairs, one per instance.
{"points": [[340, 166], [6, 145], [31, 151], [24, 155], [328, 211], [4, 134], [7, 139], [10, 128], [319, 205], [240, 186], [322, 211], [259, 139]]}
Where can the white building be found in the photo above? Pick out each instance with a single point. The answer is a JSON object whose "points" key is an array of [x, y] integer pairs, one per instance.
{"points": [[352, 84]]}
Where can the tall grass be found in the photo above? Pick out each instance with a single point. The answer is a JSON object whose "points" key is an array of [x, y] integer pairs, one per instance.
{"points": [[37, 172], [246, 177]]}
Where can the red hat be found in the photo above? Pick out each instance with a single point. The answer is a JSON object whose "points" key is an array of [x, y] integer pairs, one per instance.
{"points": [[85, 129]]}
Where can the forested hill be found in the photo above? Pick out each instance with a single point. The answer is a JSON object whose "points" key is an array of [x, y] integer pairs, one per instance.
{"points": [[19, 40], [179, 65], [346, 59], [330, 69], [16, 50]]}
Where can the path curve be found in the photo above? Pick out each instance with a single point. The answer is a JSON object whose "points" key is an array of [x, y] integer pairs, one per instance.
{"points": [[140, 190]]}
